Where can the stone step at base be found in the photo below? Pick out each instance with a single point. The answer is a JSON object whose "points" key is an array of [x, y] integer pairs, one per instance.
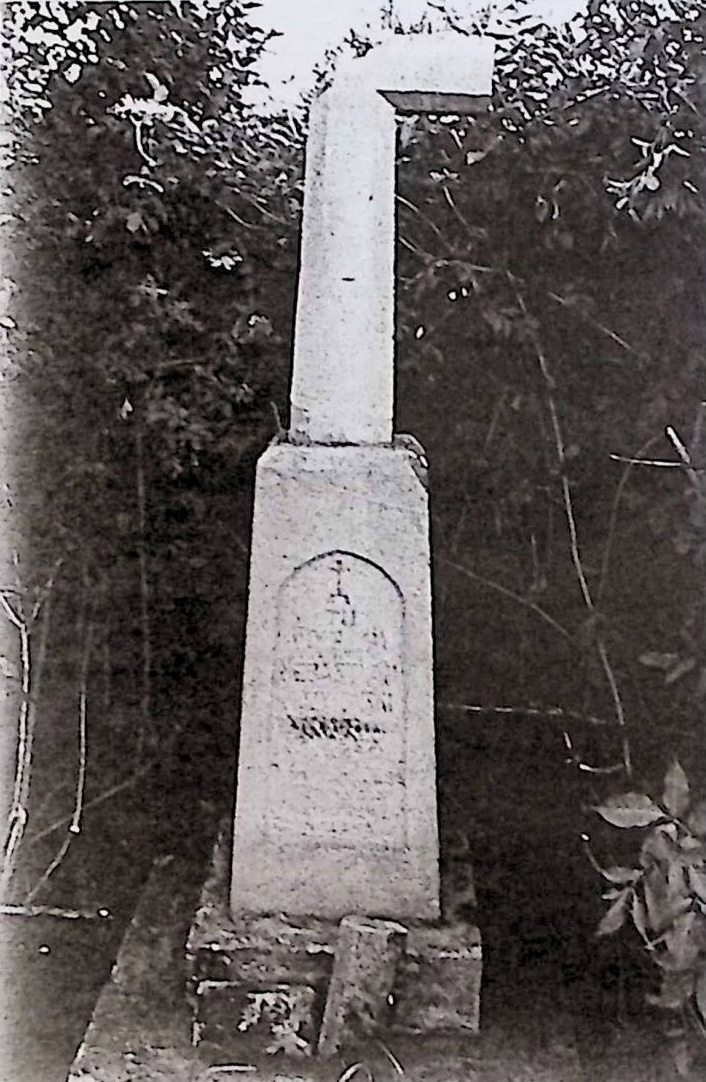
{"points": [[141, 1026], [336, 979]]}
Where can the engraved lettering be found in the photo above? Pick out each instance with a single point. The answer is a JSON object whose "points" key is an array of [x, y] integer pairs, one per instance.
{"points": [[337, 720]]}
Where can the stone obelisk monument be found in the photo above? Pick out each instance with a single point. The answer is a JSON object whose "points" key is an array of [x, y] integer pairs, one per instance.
{"points": [[336, 792], [333, 913]]}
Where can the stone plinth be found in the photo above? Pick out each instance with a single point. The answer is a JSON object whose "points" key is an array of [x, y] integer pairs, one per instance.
{"points": [[254, 951], [312, 986], [438, 981], [336, 797]]}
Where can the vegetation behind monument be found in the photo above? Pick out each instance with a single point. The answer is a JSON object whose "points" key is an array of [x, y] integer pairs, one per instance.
{"points": [[550, 331]]}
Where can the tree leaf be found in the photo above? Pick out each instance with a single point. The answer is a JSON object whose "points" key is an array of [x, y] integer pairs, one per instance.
{"points": [[666, 898], [685, 665], [652, 659], [133, 222], [614, 918], [639, 914], [674, 991], [619, 874], [682, 943], [659, 845], [676, 789], [630, 810]]}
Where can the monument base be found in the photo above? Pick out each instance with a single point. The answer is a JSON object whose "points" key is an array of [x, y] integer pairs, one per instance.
{"points": [[336, 808], [308, 986]]}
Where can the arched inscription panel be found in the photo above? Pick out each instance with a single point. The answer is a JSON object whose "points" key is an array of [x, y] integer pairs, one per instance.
{"points": [[337, 725]]}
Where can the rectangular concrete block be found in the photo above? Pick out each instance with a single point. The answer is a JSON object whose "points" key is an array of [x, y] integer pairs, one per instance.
{"points": [[439, 980], [336, 799], [358, 1000]]}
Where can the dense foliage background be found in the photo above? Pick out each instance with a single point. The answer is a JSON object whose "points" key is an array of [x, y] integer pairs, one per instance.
{"points": [[550, 332]]}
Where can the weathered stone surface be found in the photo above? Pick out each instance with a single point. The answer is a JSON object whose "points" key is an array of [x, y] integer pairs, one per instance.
{"points": [[255, 951], [438, 983], [364, 968], [336, 799], [140, 1027], [280, 1018], [345, 306], [262, 951], [458, 893], [140, 1037], [342, 385]]}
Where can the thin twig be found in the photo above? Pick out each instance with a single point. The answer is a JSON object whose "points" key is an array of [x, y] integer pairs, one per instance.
{"points": [[542, 613], [49, 870], [668, 463], [531, 711], [428, 221], [698, 426], [139, 145], [497, 410], [630, 462], [408, 244], [462, 219], [238, 219], [572, 526], [79, 794], [586, 768], [55, 911], [17, 818], [146, 697], [31, 682], [399, 1069], [593, 322], [683, 452], [75, 824], [458, 529], [127, 783]]}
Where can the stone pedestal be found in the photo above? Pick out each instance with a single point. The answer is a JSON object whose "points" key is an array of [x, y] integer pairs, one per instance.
{"points": [[336, 796], [307, 985]]}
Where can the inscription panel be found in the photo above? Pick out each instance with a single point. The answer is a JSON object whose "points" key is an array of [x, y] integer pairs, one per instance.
{"points": [[337, 728]]}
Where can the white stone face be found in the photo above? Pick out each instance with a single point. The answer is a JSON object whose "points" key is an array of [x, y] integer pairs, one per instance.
{"points": [[343, 371], [338, 703], [342, 377], [445, 63], [336, 799]]}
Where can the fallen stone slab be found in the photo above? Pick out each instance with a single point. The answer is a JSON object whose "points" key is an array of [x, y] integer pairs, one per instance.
{"points": [[360, 991], [431, 977]]}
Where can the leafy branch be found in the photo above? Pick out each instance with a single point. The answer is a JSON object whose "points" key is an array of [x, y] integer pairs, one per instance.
{"points": [[665, 894]]}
